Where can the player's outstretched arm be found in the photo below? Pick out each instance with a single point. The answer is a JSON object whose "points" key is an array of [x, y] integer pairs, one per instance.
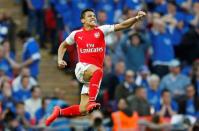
{"points": [[130, 22], [61, 51]]}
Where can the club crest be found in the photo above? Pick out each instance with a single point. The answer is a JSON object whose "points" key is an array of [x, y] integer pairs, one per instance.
{"points": [[97, 35]]}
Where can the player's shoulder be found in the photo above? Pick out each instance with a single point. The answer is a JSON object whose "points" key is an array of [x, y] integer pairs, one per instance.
{"points": [[74, 33]]}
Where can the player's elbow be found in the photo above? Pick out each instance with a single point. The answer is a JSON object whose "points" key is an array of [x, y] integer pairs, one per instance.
{"points": [[63, 45], [118, 28]]}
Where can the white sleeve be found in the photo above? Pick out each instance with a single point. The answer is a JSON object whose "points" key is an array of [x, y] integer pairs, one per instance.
{"points": [[106, 29], [36, 56], [70, 39]]}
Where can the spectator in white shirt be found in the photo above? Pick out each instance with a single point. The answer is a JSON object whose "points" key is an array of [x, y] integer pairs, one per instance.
{"points": [[34, 103], [16, 84]]}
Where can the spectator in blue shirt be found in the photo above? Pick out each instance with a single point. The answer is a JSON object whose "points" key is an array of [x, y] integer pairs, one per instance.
{"points": [[175, 82], [176, 22], [3, 28], [76, 7], [126, 88], [163, 51], [63, 13], [42, 112], [31, 55], [4, 63], [166, 107], [102, 17], [24, 92], [142, 76], [181, 2], [133, 4], [10, 58], [21, 115], [109, 6], [11, 122], [153, 92], [185, 5], [190, 104], [36, 18], [7, 49], [8, 101], [193, 19], [119, 71], [135, 51], [118, 7], [160, 6]]}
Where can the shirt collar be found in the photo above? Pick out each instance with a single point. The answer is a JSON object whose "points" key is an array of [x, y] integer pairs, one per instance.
{"points": [[83, 28], [28, 41]]}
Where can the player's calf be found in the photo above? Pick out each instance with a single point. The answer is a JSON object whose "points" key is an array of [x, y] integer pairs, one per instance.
{"points": [[95, 85], [72, 111], [89, 72], [56, 113]]}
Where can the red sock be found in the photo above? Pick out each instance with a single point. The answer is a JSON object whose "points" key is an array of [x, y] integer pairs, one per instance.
{"points": [[71, 111], [94, 84]]}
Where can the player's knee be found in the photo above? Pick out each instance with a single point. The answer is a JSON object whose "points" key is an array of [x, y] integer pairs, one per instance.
{"points": [[87, 76], [97, 72], [89, 73]]}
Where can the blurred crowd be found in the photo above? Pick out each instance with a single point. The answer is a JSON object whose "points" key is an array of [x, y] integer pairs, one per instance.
{"points": [[151, 71]]}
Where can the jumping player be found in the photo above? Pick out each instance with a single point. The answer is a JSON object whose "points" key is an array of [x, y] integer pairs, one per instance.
{"points": [[89, 70]]}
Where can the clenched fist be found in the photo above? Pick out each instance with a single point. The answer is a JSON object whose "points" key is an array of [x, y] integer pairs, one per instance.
{"points": [[62, 64], [140, 15]]}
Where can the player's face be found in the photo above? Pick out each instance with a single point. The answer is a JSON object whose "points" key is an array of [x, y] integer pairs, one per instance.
{"points": [[166, 97], [89, 19]]}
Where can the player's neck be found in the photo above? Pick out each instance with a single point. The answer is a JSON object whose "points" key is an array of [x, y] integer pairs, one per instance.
{"points": [[87, 28]]}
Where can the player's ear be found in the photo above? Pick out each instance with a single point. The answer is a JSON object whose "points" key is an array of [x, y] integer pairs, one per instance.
{"points": [[82, 20]]}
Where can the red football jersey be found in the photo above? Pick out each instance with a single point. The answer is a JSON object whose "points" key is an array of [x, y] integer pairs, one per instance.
{"points": [[91, 44]]}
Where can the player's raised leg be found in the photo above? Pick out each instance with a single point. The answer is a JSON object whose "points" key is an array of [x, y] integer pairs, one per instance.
{"points": [[94, 75], [72, 111], [76, 110], [89, 93], [83, 103], [53, 116]]}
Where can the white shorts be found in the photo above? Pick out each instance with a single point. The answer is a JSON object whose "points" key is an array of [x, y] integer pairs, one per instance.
{"points": [[85, 89], [79, 73]]}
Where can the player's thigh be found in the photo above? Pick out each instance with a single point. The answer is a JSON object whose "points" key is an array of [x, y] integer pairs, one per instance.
{"points": [[84, 102], [89, 72]]}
